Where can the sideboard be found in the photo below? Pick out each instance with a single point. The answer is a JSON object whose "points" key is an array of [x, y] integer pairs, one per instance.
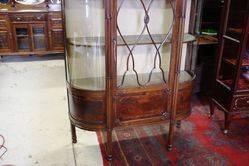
{"points": [[29, 30]]}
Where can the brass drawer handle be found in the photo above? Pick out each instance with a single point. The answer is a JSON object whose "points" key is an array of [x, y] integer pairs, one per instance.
{"points": [[18, 18]]}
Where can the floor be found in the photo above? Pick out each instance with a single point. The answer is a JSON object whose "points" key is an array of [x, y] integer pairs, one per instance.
{"points": [[33, 115]]}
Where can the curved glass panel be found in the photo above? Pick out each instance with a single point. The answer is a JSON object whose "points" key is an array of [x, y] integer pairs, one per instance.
{"points": [[85, 43], [30, 2]]}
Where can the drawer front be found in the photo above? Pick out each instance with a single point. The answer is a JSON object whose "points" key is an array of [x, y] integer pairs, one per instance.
{"points": [[28, 17], [56, 22], [3, 16], [55, 15], [3, 24], [241, 103], [135, 106]]}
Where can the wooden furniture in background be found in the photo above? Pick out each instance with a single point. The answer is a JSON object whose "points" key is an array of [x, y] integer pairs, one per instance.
{"points": [[118, 76], [231, 87], [30, 29], [205, 15]]}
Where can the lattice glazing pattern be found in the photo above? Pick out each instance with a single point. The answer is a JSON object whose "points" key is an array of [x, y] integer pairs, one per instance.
{"points": [[157, 59]]}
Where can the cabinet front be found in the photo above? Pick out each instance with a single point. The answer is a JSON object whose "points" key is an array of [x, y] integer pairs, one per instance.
{"points": [[143, 57]]}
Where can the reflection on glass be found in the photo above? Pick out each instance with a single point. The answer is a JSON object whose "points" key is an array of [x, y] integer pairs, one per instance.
{"points": [[39, 37], [85, 43]]}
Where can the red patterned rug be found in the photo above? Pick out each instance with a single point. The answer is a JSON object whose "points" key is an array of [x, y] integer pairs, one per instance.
{"points": [[199, 141]]}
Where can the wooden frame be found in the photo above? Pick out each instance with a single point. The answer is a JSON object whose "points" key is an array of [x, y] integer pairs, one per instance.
{"points": [[229, 96], [105, 110]]}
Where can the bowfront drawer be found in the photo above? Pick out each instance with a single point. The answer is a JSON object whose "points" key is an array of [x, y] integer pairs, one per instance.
{"points": [[28, 17], [135, 106], [241, 103]]}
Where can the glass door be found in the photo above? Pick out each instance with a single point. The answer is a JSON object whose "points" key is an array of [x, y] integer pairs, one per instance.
{"points": [[22, 37], [232, 43], [143, 42], [39, 36], [85, 44]]}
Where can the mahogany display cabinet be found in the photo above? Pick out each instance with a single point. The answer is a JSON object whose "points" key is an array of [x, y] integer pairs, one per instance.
{"points": [[231, 86], [31, 27], [123, 61]]}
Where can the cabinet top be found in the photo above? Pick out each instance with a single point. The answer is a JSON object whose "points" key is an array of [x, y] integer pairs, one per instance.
{"points": [[28, 9]]}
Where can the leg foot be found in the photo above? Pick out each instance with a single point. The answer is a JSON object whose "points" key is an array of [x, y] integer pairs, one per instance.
{"points": [[178, 124], [109, 144], [225, 131], [170, 147], [109, 157], [227, 123], [211, 109], [171, 134], [73, 133]]}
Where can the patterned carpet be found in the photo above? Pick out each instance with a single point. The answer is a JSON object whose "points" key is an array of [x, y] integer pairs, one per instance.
{"points": [[198, 142]]}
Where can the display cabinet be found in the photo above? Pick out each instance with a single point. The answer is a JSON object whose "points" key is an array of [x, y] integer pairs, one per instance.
{"points": [[123, 62], [205, 23], [30, 27], [231, 87]]}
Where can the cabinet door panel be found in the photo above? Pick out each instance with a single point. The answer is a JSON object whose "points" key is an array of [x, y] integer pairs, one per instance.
{"points": [[39, 37], [4, 41], [57, 40], [22, 37]]}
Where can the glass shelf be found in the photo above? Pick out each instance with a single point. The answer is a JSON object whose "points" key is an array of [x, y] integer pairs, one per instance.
{"points": [[98, 83], [130, 39]]}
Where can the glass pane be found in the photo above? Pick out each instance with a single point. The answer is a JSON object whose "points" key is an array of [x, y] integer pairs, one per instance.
{"points": [[237, 15], [3, 40], [39, 38], [143, 53], [85, 43], [22, 38], [229, 62]]}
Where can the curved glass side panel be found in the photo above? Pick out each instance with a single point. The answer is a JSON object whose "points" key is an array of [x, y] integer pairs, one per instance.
{"points": [[85, 41]]}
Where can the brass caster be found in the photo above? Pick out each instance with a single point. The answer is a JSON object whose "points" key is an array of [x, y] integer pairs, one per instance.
{"points": [[178, 125], [225, 131], [109, 157], [170, 147], [74, 141]]}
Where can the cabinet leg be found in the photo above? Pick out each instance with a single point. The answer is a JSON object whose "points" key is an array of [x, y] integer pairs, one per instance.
{"points": [[73, 133], [171, 134], [178, 124], [212, 106], [109, 144], [227, 123]]}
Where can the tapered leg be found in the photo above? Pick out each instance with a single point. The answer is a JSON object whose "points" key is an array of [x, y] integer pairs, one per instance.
{"points": [[171, 134], [73, 132], [227, 123], [178, 124], [211, 109], [109, 144]]}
